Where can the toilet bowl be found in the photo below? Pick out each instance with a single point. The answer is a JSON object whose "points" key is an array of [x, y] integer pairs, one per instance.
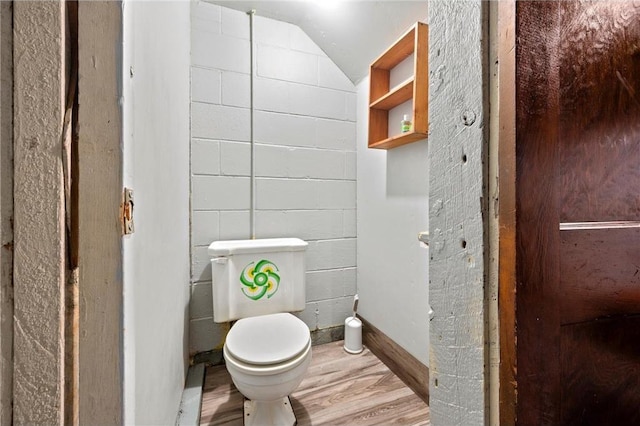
{"points": [[267, 357], [268, 350]]}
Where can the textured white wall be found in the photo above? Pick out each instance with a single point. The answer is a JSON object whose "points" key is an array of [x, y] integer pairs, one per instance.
{"points": [[305, 158], [156, 166], [457, 203], [39, 230], [393, 270]]}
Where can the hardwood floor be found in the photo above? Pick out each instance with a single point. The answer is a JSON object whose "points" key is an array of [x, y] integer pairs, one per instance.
{"points": [[339, 389]]}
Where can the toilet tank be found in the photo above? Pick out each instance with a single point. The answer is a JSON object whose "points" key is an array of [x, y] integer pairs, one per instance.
{"points": [[257, 277]]}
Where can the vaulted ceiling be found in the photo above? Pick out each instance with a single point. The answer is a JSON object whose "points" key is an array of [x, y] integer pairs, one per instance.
{"points": [[353, 33]]}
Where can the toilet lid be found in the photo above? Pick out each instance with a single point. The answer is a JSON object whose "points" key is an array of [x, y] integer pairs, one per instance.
{"points": [[267, 339]]}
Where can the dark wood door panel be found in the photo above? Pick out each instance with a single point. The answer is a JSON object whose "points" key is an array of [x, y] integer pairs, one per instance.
{"points": [[577, 160], [600, 273], [599, 68], [537, 235], [601, 372], [599, 178]]}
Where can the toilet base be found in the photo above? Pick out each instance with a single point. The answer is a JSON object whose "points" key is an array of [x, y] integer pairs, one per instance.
{"points": [[261, 413]]}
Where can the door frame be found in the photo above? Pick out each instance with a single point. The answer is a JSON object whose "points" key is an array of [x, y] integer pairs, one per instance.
{"points": [[100, 195], [6, 213], [80, 377], [507, 210]]}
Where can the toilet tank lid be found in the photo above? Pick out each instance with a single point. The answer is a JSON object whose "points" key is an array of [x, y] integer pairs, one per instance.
{"points": [[267, 245]]}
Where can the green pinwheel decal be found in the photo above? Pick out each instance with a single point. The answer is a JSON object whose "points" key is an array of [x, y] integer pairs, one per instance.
{"points": [[260, 279]]}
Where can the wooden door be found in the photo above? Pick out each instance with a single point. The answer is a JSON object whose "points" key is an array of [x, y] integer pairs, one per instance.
{"points": [[578, 212]]}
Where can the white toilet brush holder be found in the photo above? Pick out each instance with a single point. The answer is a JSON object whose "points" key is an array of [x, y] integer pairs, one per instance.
{"points": [[353, 331], [353, 335]]}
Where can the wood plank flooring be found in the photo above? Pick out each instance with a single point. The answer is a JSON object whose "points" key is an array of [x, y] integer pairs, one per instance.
{"points": [[339, 389]]}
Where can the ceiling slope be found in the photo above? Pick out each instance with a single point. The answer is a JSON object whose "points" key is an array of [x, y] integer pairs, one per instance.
{"points": [[353, 33]]}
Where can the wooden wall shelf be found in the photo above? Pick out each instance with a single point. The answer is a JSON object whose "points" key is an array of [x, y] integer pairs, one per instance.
{"points": [[395, 97], [382, 98]]}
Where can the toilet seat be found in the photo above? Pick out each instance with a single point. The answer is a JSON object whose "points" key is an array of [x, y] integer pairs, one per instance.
{"points": [[266, 370], [267, 340]]}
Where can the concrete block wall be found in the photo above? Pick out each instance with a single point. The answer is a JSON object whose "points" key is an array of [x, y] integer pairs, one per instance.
{"points": [[305, 134]]}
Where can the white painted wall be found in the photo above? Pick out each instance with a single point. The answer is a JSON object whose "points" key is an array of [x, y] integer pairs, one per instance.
{"points": [[156, 166], [305, 158], [393, 269]]}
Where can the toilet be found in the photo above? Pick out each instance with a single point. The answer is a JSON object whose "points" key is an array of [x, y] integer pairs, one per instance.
{"points": [[268, 350]]}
